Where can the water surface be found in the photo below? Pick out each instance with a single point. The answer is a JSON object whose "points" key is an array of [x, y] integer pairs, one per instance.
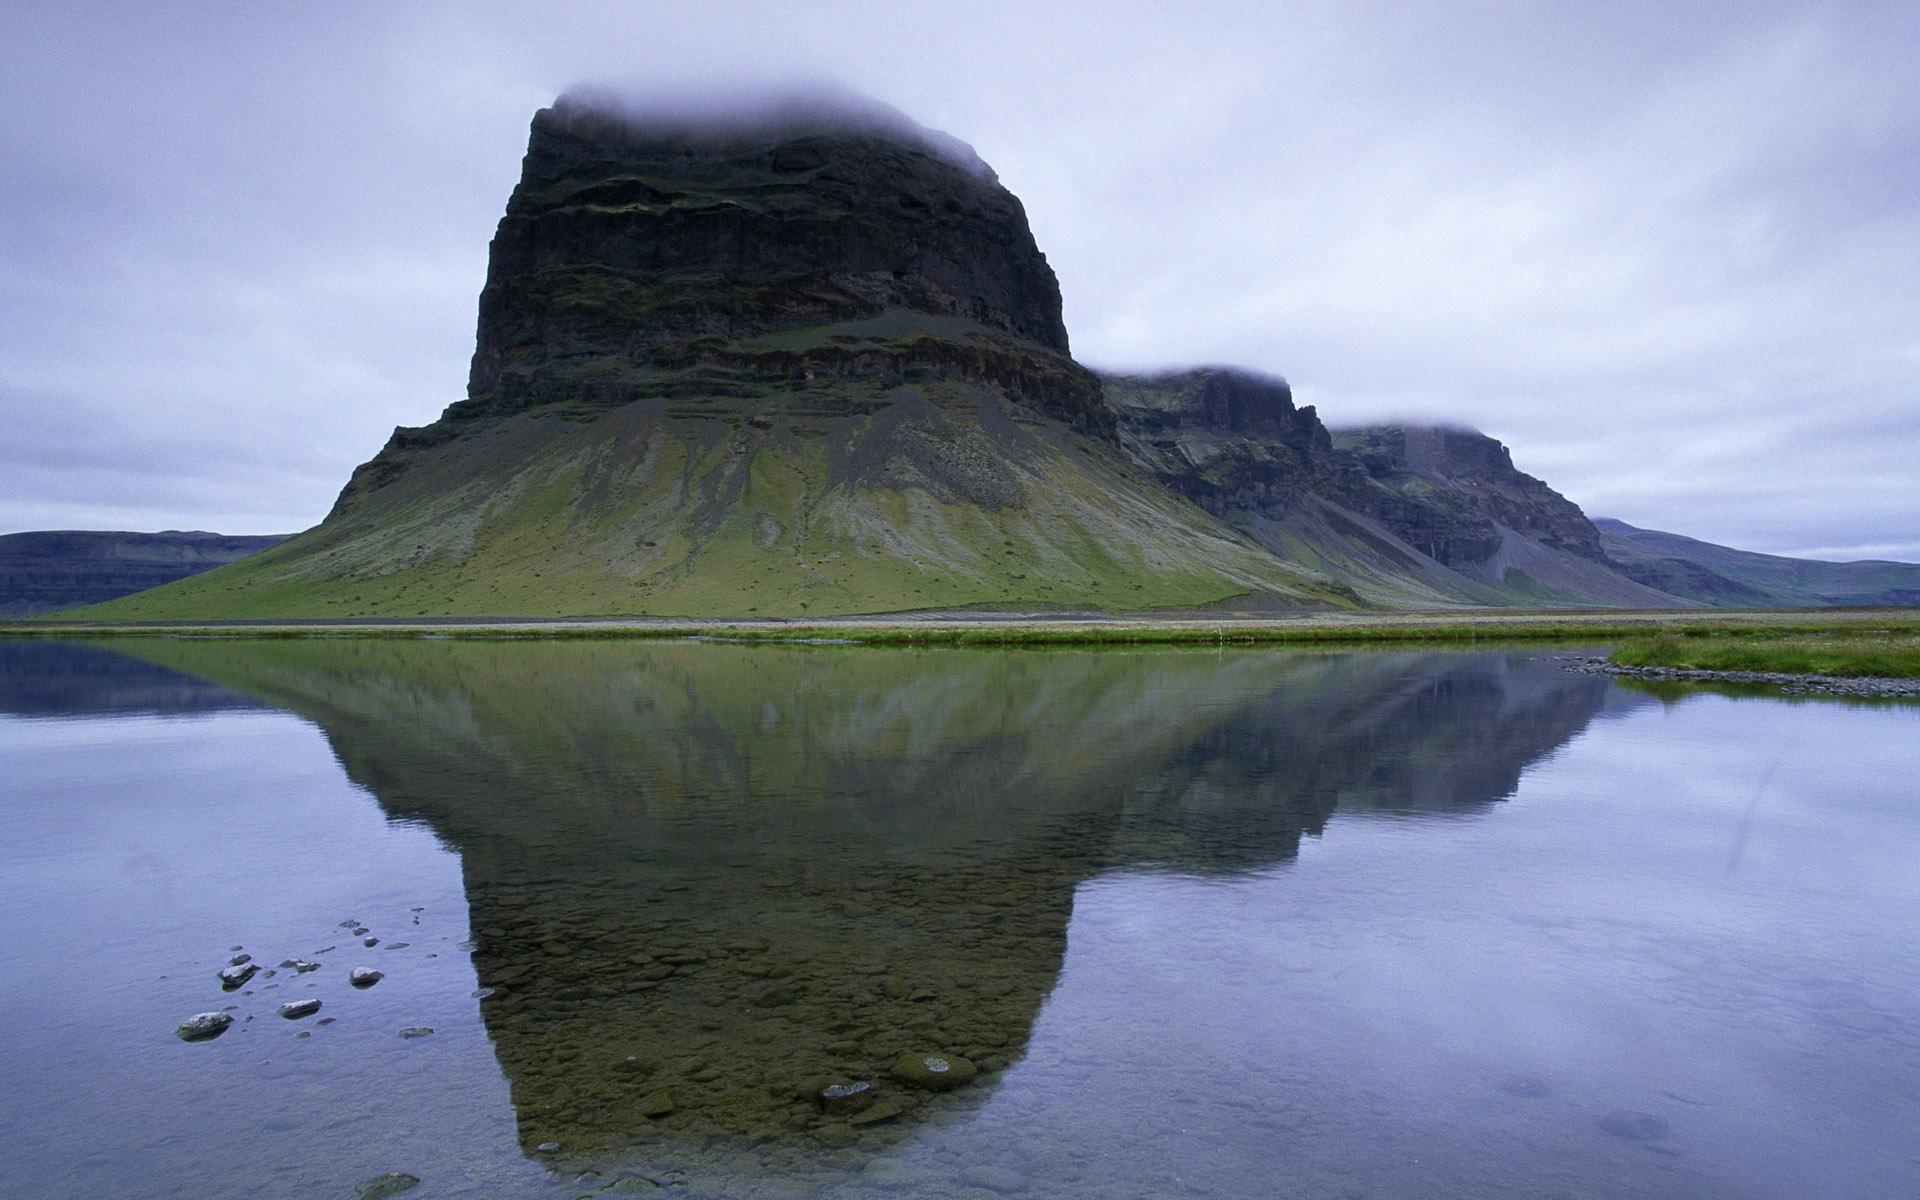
{"points": [[1253, 923]]}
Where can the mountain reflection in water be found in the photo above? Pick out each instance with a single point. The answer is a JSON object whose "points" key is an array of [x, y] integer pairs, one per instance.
{"points": [[726, 876]]}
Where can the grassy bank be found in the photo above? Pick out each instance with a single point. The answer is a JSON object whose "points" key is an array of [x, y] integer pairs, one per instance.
{"points": [[1887, 652], [1038, 630]]}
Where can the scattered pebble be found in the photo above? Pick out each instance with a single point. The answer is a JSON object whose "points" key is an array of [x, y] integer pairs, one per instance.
{"points": [[935, 1072], [416, 1031], [234, 976], [382, 1186], [293, 1010], [845, 1097], [204, 1026], [365, 977]]}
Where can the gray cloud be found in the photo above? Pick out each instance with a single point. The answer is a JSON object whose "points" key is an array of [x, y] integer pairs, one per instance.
{"points": [[1665, 252]]}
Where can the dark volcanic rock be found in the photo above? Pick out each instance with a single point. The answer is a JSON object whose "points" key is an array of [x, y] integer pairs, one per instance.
{"points": [[1233, 440], [1451, 492], [817, 239], [1416, 514], [1225, 438]]}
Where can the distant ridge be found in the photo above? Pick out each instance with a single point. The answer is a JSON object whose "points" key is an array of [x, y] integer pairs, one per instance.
{"points": [[1408, 516], [48, 570], [1728, 578]]}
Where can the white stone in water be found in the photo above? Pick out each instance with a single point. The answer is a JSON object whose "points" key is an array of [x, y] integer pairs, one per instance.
{"points": [[365, 977], [293, 1010]]}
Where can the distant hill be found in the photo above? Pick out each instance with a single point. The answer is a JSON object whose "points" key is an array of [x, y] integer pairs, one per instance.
{"points": [[1408, 516], [47, 571], [1728, 578]]}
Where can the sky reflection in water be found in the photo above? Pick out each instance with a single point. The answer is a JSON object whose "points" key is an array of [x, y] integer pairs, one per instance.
{"points": [[1243, 924]]}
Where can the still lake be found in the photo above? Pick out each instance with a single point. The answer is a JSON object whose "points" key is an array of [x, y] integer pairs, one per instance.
{"points": [[1198, 923]]}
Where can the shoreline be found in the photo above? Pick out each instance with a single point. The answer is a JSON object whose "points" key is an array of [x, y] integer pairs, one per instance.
{"points": [[1791, 682], [1030, 629]]}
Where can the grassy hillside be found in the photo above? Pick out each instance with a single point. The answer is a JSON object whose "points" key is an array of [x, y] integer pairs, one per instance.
{"points": [[946, 496]]}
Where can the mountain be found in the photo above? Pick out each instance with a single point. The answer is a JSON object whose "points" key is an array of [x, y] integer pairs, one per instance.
{"points": [[49, 570], [1406, 515], [1728, 578], [799, 357]]}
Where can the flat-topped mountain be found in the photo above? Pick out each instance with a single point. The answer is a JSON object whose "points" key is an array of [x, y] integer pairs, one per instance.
{"points": [[800, 357], [797, 355], [47, 570]]}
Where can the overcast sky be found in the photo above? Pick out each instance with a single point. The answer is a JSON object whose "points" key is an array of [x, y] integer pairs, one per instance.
{"points": [[1669, 253]]}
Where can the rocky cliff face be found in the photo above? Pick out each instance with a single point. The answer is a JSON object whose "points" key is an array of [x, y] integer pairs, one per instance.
{"points": [[1455, 493], [1227, 439], [1407, 515], [677, 252], [43, 572]]}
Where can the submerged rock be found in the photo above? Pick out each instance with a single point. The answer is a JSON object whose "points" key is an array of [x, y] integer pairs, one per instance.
{"points": [[883, 1109], [845, 1097], [994, 1179], [382, 1186], [657, 1104], [416, 1031], [365, 977], [935, 1072], [293, 1010], [204, 1026], [1526, 1087], [1634, 1126]]}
